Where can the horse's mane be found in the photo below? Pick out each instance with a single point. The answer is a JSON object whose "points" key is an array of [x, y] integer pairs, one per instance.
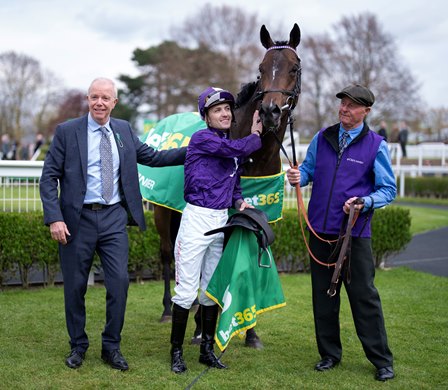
{"points": [[245, 94]]}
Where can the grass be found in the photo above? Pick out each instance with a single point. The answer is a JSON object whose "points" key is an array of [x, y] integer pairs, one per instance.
{"points": [[34, 342], [424, 219]]}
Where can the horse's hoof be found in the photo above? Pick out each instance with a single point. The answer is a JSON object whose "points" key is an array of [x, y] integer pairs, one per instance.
{"points": [[165, 318], [196, 339], [254, 343]]}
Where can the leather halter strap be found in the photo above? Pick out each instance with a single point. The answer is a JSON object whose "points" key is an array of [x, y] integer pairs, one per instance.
{"points": [[344, 253]]}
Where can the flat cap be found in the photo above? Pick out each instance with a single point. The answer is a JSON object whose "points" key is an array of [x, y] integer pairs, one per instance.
{"points": [[359, 94]]}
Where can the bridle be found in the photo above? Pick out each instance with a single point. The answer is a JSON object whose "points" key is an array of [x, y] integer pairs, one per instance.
{"points": [[293, 94]]}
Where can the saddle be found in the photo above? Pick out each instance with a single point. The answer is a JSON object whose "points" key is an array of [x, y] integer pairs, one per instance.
{"points": [[254, 220]]}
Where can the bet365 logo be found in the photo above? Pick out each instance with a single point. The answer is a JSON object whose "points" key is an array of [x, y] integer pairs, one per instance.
{"points": [[263, 199]]}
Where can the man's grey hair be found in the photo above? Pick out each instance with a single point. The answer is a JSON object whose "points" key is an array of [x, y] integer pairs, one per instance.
{"points": [[104, 80]]}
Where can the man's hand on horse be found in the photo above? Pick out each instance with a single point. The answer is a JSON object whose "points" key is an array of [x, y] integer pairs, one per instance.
{"points": [[293, 175], [257, 126], [358, 205]]}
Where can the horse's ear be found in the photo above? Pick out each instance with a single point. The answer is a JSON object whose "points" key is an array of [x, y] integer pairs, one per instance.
{"points": [[265, 37], [294, 36]]}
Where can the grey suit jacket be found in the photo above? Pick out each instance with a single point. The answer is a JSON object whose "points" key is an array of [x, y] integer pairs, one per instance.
{"points": [[66, 163]]}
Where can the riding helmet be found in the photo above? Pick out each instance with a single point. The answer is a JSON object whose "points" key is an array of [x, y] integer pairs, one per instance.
{"points": [[213, 96]]}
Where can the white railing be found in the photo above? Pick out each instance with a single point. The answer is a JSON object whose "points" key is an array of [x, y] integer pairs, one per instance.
{"points": [[19, 180], [19, 185]]}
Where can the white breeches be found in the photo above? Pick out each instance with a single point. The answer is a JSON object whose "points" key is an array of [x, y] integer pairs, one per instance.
{"points": [[196, 255]]}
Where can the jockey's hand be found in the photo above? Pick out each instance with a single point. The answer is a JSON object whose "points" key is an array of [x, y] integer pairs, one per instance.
{"points": [[59, 232], [348, 202], [257, 126], [293, 175], [245, 205]]}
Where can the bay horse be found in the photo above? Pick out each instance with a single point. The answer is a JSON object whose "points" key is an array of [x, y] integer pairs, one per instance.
{"points": [[274, 94]]}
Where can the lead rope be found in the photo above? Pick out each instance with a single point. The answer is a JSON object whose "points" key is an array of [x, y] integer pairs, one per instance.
{"points": [[300, 204]]}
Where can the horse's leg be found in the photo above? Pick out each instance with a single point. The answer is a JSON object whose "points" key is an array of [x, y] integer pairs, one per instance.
{"points": [[162, 220], [252, 339], [197, 335]]}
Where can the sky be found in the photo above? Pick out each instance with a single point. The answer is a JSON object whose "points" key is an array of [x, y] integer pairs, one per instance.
{"points": [[84, 39]]}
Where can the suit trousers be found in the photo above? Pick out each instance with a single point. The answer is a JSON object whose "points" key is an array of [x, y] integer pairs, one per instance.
{"points": [[364, 301], [104, 232]]}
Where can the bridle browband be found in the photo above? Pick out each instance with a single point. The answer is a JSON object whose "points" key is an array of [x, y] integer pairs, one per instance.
{"points": [[292, 94]]}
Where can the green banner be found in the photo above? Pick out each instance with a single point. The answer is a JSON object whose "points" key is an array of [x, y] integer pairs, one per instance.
{"points": [[165, 186], [241, 287]]}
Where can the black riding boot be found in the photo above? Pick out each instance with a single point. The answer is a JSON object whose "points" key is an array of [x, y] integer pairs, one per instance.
{"points": [[206, 355], [178, 327]]}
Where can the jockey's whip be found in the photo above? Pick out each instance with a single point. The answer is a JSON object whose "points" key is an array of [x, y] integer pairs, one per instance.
{"points": [[202, 373]]}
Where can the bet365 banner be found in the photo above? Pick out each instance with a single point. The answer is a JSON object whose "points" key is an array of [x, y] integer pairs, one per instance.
{"points": [[165, 186], [241, 287]]}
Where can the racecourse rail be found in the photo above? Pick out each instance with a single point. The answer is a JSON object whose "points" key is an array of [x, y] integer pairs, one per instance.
{"points": [[19, 180]]}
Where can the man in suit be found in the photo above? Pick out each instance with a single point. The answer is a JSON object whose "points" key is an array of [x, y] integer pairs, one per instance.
{"points": [[94, 159]]}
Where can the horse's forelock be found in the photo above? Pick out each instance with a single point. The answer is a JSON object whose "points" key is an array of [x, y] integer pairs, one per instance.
{"points": [[281, 43]]}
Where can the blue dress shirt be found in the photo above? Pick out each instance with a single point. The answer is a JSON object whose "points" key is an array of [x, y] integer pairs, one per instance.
{"points": [[93, 193]]}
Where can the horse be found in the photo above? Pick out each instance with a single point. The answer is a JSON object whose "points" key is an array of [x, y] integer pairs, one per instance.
{"points": [[274, 94]]}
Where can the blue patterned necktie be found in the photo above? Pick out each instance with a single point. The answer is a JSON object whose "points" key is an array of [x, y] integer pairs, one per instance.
{"points": [[342, 143], [107, 170]]}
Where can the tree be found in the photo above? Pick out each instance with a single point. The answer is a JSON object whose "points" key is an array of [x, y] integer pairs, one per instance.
{"points": [[358, 51], [229, 31], [317, 70], [72, 105], [26, 91], [436, 124], [367, 54], [171, 77]]}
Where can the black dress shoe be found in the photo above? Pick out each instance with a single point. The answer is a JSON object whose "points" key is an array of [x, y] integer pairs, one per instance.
{"points": [[75, 359], [326, 364], [115, 359], [384, 374]]}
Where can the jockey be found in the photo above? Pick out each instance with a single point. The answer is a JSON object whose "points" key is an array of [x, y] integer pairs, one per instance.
{"points": [[212, 186]]}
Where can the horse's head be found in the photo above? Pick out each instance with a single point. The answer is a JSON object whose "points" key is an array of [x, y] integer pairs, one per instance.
{"points": [[279, 79]]}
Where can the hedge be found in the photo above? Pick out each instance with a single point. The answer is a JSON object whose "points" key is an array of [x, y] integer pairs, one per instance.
{"points": [[25, 242], [426, 187]]}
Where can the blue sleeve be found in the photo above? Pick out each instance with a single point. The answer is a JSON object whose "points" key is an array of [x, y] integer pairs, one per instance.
{"points": [[307, 167], [385, 188]]}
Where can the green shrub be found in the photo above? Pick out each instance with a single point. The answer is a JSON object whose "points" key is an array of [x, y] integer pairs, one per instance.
{"points": [[26, 242], [426, 187], [391, 232], [144, 253], [289, 248]]}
